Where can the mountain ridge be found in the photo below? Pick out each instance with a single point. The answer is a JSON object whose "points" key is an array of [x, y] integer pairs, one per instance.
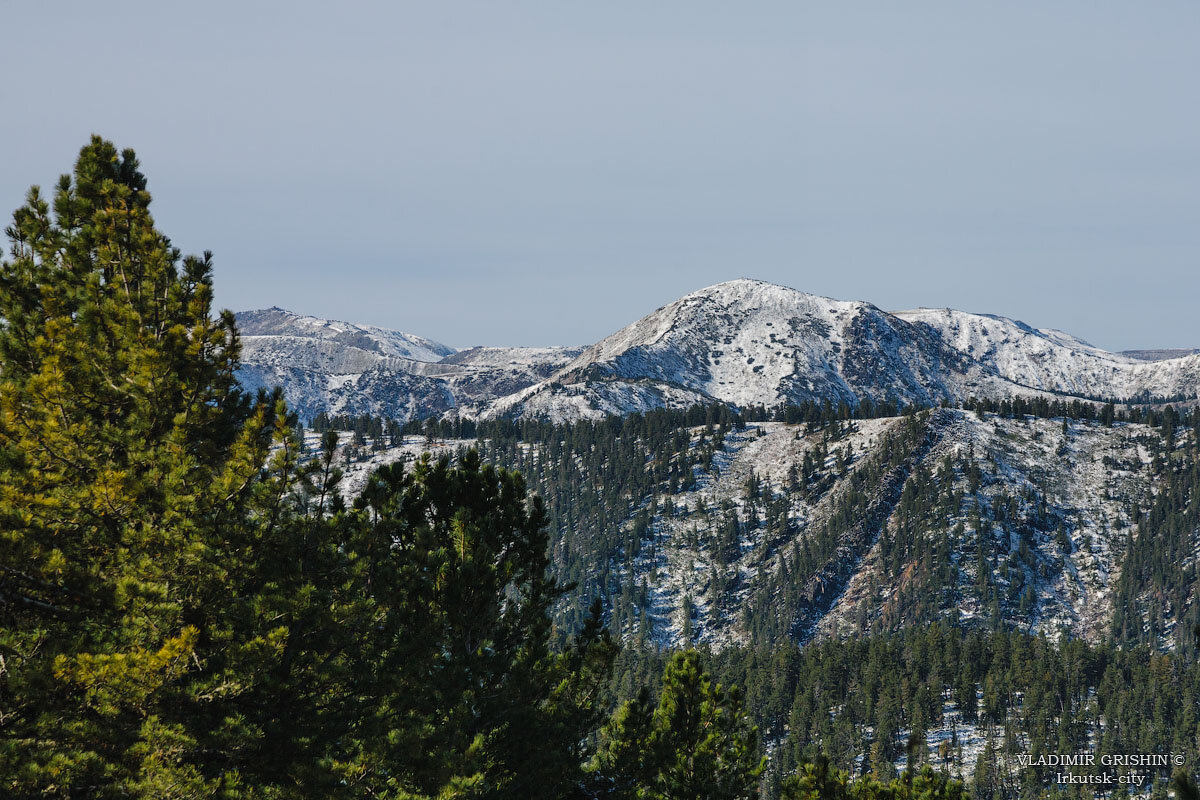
{"points": [[743, 342]]}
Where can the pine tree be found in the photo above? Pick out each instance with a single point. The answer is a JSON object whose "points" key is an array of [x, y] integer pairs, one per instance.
{"points": [[455, 689], [625, 766], [696, 745], [817, 781], [189, 611], [134, 479]]}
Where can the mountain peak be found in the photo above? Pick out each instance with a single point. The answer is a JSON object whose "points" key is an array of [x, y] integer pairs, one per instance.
{"points": [[753, 288]]}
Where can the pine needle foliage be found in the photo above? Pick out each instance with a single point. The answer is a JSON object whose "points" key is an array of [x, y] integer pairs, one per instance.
{"points": [[188, 608], [135, 489]]}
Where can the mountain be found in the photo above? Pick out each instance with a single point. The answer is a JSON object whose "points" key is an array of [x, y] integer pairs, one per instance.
{"points": [[748, 343], [1161, 354], [752, 343], [333, 345], [343, 368], [1052, 361], [743, 343]]}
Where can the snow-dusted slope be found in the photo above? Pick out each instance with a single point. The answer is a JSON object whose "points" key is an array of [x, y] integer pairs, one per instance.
{"points": [[742, 342], [748, 342], [1161, 354], [342, 368], [263, 330], [1051, 506], [534, 359], [1053, 361]]}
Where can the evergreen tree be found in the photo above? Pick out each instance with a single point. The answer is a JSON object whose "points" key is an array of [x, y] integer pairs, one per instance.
{"points": [[136, 494], [190, 611], [696, 745], [819, 781], [454, 689]]}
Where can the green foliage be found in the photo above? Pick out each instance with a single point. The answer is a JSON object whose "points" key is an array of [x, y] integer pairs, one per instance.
{"points": [[450, 686], [820, 781], [696, 745], [190, 611], [136, 492], [1022, 693]]}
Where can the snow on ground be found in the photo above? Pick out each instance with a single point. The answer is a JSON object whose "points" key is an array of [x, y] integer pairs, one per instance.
{"points": [[680, 568], [1088, 477], [1084, 481], [357, 470]]}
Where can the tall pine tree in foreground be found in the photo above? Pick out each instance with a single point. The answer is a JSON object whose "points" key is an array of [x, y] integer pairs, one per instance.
{"points": [[451, 688], [186, 610], [133, 493]]}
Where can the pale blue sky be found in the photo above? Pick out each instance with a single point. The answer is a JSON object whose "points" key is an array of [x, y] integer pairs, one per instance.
{"points": [[544, 173]]}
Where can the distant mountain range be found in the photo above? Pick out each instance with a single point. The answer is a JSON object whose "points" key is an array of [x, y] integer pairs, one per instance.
{"points": [[1161, 354], [743, 343]]}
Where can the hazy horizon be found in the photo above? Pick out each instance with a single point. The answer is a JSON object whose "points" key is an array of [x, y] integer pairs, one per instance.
{"points": [[544, 174]]}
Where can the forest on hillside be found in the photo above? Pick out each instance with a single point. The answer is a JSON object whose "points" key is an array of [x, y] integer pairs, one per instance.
{"points": [[920, 683]]}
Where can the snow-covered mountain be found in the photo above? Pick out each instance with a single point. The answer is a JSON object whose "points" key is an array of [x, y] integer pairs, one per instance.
{"points": [[748, 342], [752, 343], [343, 368], [275, 332], [743, 342], [1053, 361]]}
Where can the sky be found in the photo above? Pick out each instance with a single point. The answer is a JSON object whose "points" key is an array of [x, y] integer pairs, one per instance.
{"points": [[545, 173]]}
